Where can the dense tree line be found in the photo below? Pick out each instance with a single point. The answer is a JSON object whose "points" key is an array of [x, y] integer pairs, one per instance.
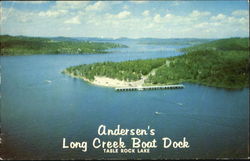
{"points": [[20, 45], [222, 44], [128, 70], [229, 69]]}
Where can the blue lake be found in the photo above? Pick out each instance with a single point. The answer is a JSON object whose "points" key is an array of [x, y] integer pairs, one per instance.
{"points": [[40, 106]]}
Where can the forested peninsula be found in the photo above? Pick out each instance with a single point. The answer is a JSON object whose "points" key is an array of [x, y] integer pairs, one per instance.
{"points": [[220, 63], [22, 45]]}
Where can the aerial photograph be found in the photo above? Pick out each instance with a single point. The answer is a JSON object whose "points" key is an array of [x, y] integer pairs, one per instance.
{"points": [[135, 79]]}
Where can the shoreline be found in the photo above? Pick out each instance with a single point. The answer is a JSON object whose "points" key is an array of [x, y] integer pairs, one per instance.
{"points": [[115, 83], [109, 82]]}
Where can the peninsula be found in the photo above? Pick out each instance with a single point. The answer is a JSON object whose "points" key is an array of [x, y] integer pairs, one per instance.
{"points": [[22, 45], [220, 63]]}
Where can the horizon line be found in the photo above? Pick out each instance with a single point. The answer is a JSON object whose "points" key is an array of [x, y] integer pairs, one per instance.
{"points": [[114, 38]]}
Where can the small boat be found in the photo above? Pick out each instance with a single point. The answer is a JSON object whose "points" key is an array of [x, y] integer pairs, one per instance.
{"points": [[157, 113], [180, 104], [49, 81]]}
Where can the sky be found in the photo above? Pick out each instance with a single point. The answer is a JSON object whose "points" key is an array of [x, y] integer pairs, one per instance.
{"points": [[132, 19]]}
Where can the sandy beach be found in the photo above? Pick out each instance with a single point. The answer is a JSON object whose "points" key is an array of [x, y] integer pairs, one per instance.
{"points": [[109, 82]]}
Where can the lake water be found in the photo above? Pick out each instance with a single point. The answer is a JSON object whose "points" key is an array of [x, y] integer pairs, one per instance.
{"points": [[40, 106]]}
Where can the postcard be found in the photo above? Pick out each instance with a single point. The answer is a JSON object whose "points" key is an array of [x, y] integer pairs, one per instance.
{"points": [[125, 80]]}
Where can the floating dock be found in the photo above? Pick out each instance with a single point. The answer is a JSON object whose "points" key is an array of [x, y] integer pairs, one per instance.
{"points": [[178, 86]]}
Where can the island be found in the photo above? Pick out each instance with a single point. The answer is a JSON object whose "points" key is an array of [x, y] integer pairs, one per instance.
{"points": [[22, 45], [220, 63]]}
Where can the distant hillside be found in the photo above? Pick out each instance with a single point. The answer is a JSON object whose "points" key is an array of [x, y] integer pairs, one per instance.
{"points": [[20, 45], [61, 38], [223, 44], [176, 41]]}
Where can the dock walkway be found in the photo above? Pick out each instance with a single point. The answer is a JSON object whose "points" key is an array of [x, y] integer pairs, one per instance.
{"points": [[178, 86]]}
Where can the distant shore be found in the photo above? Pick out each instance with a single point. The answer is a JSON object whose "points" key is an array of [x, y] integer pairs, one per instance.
{"points": [[23, 45]]}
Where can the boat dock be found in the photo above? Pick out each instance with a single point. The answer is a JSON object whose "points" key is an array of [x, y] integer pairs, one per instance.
{"points": [[178, 86]]}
